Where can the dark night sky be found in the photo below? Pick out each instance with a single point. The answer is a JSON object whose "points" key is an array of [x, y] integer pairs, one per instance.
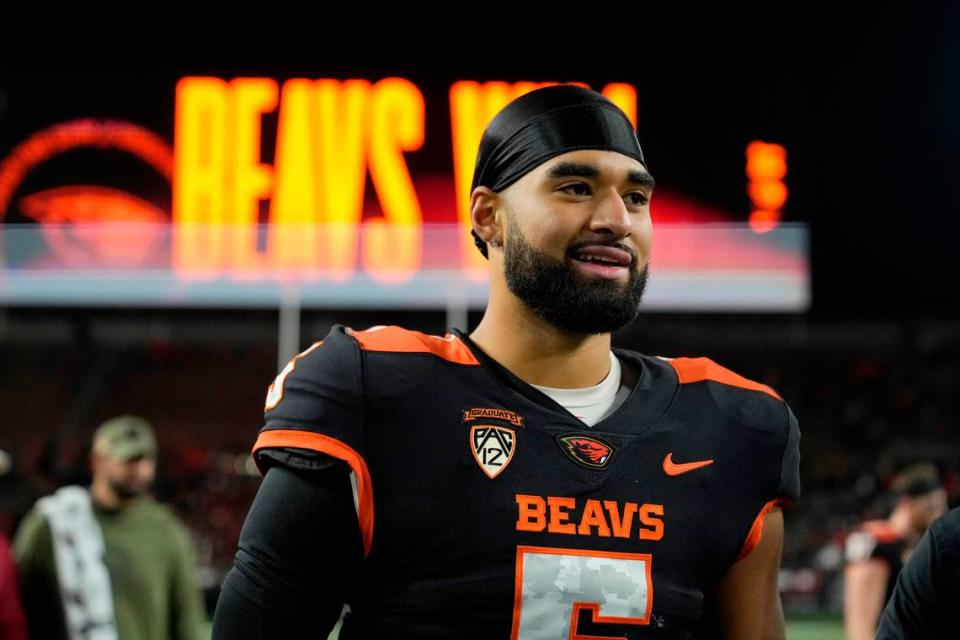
{"points": [[866, 102]]}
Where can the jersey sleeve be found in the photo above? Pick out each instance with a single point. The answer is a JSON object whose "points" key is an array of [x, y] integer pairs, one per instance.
{"points": [[766, 448], [768, 434], [788, 489], [783, 481], [298, 559], [314, 417], [315, 404], [860, 546], [873, 541]]}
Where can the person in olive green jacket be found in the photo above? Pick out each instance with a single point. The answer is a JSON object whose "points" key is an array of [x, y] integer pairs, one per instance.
{"points": [[125, 562]]}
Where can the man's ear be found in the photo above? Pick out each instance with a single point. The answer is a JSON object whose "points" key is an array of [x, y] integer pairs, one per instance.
{"points": [[484, 203]]}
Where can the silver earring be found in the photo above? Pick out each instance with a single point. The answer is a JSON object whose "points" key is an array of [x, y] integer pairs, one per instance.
{"points": [[494, 243]]}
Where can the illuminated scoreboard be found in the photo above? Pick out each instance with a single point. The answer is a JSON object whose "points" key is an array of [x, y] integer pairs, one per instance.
{"points": [[329, 204], [330, 136]]}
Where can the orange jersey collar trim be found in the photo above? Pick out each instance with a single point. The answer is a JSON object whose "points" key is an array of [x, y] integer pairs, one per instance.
{"points": [[399, 340], [692, 370]]}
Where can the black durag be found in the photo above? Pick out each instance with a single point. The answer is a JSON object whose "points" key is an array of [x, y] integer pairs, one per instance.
{"points": [[543, 124]]}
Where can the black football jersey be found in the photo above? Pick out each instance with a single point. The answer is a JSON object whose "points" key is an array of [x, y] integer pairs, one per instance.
{"points": [[487, 510]]}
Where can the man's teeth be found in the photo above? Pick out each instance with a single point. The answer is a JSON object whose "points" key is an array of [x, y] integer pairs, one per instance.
{"points": [[598, 260]]}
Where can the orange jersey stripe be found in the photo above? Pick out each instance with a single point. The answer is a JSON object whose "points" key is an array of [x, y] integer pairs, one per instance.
{"points": [[881, 530], [699, 369], [756, 530], [400, 340], [331, 446]]}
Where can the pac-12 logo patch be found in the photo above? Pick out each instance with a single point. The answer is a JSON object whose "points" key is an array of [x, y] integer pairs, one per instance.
{"points": [[590, 452], [493, 447]]}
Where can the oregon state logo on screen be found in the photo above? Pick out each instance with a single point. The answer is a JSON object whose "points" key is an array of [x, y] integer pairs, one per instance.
{"points": [[64, 209]]}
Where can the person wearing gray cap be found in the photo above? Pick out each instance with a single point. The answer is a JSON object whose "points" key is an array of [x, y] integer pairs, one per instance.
{"points": [[109, 562]]}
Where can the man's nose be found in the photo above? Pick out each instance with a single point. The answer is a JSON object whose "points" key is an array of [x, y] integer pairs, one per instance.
{"points": [[612, 214]]}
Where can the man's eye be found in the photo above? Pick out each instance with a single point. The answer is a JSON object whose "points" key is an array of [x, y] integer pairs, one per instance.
{"points": [[637, 198], [576, 188]]}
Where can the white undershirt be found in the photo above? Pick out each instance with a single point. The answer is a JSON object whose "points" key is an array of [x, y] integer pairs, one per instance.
{"points": [[593, 404]]}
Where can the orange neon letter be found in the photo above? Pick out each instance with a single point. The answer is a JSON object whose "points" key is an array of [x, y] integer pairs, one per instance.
{"points": [[343, 119], [392, 245], [199, 170], [293, 240], [249, 181]]}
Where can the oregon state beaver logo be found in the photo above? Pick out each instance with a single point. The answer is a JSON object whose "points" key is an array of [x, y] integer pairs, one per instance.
{"points": [[587, 451]]}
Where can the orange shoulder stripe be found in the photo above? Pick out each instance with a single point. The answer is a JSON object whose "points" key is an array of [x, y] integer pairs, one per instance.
{"points": [[881, 530], [297, 439], [700, 369], [756, 530], [400, 340]]}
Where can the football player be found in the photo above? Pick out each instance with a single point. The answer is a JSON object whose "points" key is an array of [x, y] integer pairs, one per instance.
{"points": [[876, 550], [524, 480]]}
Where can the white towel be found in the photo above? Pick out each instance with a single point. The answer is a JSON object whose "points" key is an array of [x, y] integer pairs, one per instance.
{"points": [[78, 551]]}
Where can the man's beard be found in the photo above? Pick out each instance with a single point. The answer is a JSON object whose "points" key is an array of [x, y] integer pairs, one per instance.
{"points": [[555, 292], [126, 492]]}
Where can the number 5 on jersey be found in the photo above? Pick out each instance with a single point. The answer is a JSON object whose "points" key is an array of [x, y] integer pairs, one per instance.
{"points": [[554, 585], [275, 392]]}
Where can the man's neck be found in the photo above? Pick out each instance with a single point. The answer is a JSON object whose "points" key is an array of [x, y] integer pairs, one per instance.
{"points": [[539, 353]]}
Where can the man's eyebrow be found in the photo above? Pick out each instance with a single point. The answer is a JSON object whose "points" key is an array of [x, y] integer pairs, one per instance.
{"points": [[641, 179], [581, 170], [573, 169]]}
